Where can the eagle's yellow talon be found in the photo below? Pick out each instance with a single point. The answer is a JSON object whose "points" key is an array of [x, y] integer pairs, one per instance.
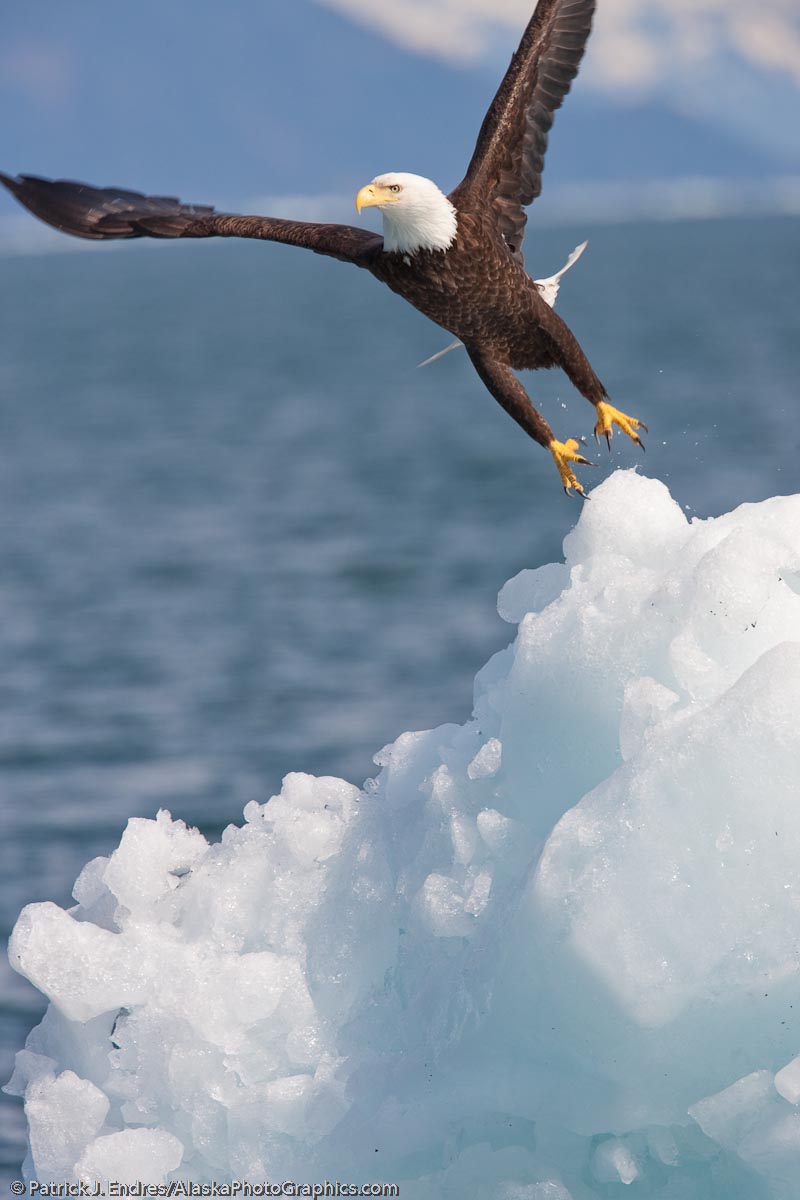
{"points": [[608, 417], [563, 454]]}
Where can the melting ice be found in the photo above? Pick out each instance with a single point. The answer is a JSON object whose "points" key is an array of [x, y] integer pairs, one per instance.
{"points": [[551, 954]]}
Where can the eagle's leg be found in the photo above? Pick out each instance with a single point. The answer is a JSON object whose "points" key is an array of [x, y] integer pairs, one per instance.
{"points": [[571, 357], [509, 392], [608, 417]]}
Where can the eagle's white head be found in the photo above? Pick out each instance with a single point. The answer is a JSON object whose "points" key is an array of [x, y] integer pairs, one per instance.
{"points": [[416, 214]]}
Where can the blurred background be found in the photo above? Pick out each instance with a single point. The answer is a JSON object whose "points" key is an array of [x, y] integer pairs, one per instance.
{"points": [[239, 533]]}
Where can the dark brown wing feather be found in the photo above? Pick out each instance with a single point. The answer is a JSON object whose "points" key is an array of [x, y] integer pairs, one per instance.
{"points": [[104, 213], [506, 167]]}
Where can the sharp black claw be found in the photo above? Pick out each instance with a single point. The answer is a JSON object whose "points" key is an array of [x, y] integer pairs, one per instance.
{"points": [[608, 441], [643, 426], [641, 444]]}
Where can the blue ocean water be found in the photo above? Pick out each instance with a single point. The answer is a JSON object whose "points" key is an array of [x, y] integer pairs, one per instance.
{"points": [[241, 535]]}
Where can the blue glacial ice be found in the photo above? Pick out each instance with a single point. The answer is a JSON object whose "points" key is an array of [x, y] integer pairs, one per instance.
{"points": [[551, 954]]}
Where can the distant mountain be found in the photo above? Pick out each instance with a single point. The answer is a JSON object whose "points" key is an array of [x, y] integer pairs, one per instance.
{"points": [[223, 103]]}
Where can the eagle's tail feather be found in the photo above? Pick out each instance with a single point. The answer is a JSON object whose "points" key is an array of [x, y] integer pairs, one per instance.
{"points": [[440, 354]]}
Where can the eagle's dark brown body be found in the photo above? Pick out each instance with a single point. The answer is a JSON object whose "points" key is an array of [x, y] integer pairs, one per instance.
{"points": [[484, 296], [444, 284], [477, 287], [511, 322]]}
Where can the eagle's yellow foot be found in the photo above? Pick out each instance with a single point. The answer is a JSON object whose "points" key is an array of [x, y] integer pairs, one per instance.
{"points": [[565, 453], [608, 417]]}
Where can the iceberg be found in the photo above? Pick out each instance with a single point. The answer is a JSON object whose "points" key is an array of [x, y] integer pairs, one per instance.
{"points": [[550, 954]]}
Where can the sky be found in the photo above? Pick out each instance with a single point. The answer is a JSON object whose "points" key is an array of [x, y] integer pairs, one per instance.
{"points": [[296, 103], [637, 43], [699, 56]]}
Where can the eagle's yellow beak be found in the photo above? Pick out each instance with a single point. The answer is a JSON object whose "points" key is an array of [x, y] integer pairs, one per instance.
{"points": [[368, 197]]}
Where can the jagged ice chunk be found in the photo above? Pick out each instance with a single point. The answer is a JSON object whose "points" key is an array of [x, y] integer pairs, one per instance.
{"points": [[551, 953]]}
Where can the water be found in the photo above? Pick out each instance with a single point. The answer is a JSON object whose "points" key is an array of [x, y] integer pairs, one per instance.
{"points": [[241, 535]]}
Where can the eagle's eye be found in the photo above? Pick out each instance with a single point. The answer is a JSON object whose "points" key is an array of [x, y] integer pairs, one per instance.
{"points": [[395, 187]]}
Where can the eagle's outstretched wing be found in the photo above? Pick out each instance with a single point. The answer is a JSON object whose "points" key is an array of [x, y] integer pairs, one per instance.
{"points": [[506, 168], [103, 213]]}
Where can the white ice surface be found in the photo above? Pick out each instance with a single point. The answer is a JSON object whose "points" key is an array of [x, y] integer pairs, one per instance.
{"points": [[551, 954], [787, 1081]]}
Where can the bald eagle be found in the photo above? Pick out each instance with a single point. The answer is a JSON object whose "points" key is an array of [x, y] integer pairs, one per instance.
{"points": [[457, 258]]}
